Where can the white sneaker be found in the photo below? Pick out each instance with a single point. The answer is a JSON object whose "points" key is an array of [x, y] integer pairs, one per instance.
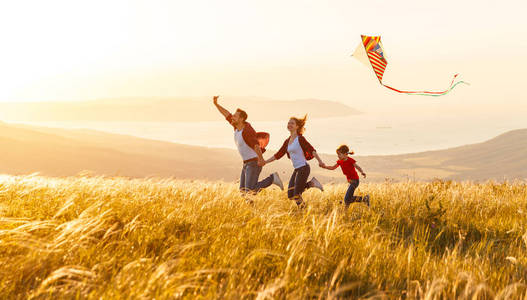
{"points": [[316, 184], [278, 181]]}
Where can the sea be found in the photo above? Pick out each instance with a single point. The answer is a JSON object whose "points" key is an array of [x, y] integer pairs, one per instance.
{"points": [[366, 134]]}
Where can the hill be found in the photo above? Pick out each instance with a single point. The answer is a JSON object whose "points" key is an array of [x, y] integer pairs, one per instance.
{"points": [[167, 109], [61, 152], [503, 157], [57, 152]]}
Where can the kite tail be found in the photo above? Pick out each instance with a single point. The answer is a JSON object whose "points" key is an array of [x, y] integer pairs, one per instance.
{"points": [[428, 93]]}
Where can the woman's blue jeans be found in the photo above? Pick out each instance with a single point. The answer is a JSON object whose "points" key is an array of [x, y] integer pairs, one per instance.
{"points": [[298, 181]]}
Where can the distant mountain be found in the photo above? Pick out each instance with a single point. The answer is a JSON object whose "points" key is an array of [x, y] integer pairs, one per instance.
{"points": [[503, 157], [168, 110], [57, 152], [61, 152]]}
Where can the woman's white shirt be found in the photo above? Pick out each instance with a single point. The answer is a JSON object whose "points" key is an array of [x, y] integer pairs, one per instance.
{"points": [[296, 154]]}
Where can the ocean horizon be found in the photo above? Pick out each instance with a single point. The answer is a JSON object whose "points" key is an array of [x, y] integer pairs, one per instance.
{"points": [[366, 134]]}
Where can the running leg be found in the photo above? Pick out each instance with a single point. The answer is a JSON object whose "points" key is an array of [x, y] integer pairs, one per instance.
{"points": [[349, 197], [242, 179], [291, 186], [301, 179], [251, 176]]}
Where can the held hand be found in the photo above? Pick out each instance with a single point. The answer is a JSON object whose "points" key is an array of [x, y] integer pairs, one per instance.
{"points": [[322, 164], [261, 162], [215, 99]]}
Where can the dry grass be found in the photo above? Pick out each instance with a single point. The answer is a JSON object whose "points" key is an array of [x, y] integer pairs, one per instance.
{"points": [[117, 238]]}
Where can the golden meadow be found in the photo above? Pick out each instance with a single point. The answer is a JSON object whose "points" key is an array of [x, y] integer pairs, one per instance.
{"points": [[117, 238]]}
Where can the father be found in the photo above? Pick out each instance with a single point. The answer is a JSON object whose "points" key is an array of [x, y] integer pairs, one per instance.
{"points": [[248, 145]]}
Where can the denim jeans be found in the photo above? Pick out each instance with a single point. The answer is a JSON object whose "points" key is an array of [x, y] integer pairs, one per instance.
{"points": [[298, 181], [349, 198], [249, 178]]}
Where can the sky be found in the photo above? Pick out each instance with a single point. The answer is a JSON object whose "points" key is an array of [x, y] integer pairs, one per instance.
{"points": [[79, 50]]}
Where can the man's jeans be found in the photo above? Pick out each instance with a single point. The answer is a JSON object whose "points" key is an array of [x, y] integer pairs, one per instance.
{"points": [[249, 178]]}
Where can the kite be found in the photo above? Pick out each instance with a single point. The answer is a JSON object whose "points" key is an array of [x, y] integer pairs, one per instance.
{"points": [[370, 52]]}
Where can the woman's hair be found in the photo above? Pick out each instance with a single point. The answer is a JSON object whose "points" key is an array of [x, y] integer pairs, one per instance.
{"points": [[344, 150], [300, 123]]}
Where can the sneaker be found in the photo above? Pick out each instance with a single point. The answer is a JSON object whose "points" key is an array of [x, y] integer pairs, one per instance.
{"points": [[278, 181], [316, 184], [367, 200]]}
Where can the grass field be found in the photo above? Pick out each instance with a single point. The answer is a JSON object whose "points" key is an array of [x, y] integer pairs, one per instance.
{"points": [[116, 238]]}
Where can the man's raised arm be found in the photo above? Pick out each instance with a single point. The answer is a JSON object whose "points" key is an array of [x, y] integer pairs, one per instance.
{"points": [[222, 110]]}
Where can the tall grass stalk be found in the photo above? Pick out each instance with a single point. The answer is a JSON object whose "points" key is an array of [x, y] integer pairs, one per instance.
{"points": [[115, 238]]}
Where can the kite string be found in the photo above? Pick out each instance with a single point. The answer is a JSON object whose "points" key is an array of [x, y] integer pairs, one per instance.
{"points": [[428, 93], [446, 92]]}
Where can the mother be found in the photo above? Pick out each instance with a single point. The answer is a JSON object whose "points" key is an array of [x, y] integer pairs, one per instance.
{"points": [[299, 151]]}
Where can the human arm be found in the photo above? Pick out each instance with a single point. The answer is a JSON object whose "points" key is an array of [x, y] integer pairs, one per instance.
{"points": [[271, 159], [258, 150], [320, 162], [281, 152], [360, 170], [278, 154], [249, 136], [220, 108], [330, 167]]}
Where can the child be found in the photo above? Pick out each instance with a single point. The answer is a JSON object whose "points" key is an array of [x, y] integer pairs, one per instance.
{"points": [[348, 166]]}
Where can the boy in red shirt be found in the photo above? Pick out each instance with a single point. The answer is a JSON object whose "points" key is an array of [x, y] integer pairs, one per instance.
{"points": [[348, 166]]}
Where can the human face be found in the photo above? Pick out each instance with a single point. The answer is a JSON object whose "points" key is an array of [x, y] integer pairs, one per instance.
{"points": [[291, 126], [236, 118], [342, 156]]}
